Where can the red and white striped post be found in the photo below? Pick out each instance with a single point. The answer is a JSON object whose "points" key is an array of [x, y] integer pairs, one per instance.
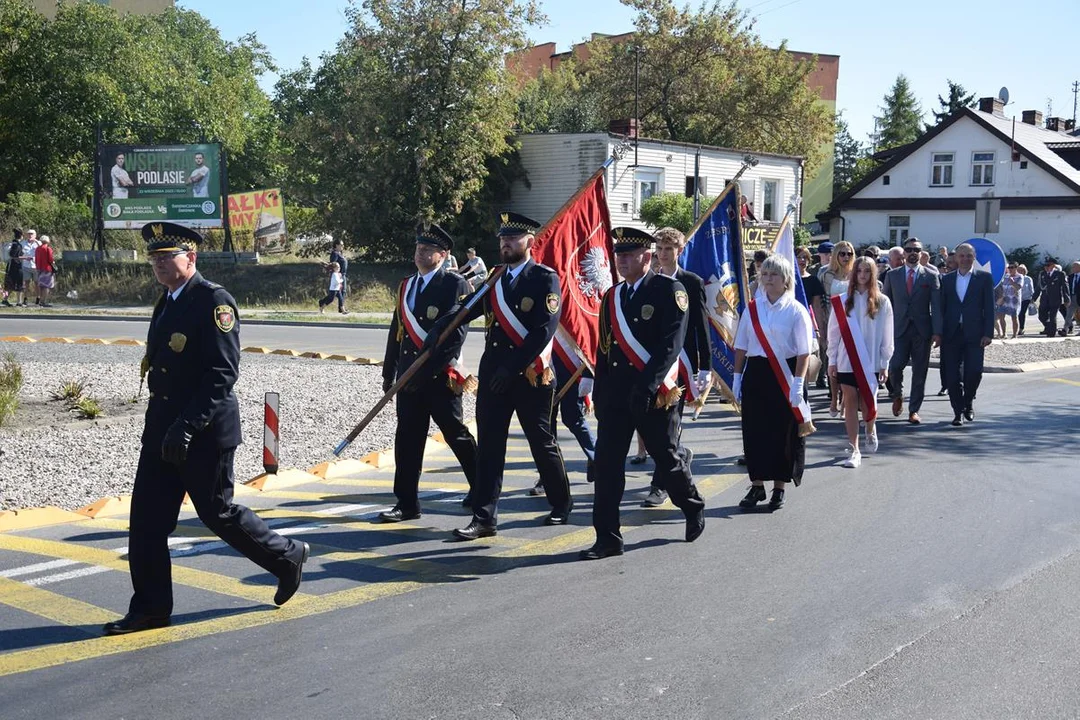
{"points": [[270, 433]]}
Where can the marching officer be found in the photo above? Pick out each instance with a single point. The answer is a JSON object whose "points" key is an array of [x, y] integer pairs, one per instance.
{"points": [[642, 331], [522, 312], [190, 435], [434, 393], [696, 354]]}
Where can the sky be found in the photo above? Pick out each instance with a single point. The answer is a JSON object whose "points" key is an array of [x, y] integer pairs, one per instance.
{"points": [[982, 44]]}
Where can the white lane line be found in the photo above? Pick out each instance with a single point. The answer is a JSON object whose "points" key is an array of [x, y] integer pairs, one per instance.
{"points": [[70, 575], [36, 568]]}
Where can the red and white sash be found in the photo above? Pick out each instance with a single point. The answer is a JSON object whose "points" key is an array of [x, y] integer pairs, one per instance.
{"points": [[569, 352], [539, 367], [857, 352], [782, 372], [457, 375], [669, 391], [686, 374]]}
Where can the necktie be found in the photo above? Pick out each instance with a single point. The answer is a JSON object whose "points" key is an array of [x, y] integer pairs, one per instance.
{"points": [[169, 302], [910, 280], [417, 289], [627, 293]]}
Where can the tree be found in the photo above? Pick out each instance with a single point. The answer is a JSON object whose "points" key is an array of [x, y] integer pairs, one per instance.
{"points": [[558, 101], [398, 124], [705, 77], [167, 78], [847, 168], [672, 210], [900, 121], [958, 98]]}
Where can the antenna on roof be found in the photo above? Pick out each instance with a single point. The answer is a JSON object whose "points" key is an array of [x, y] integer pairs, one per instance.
{"points": [[1003, 95]]}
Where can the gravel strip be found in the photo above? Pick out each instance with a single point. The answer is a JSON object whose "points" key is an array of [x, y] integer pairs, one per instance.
{"points": [[73, 464], [1018, 353]]}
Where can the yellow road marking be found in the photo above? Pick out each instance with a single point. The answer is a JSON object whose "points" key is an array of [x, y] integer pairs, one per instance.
{"points": [[106, 558], [302, 606], [1064, 381], [50, 605]]}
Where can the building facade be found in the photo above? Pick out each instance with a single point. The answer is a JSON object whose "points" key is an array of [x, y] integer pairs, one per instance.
{"points": [[139, 7], [978, 173], [558, 164]]}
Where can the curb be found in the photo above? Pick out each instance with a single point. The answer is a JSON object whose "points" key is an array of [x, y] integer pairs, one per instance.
{"points": [[251, 321]]}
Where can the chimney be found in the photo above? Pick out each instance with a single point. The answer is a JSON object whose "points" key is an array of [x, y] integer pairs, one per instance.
{"points": [[1055, 124], [1070, 125], [623, 126], [992, 105], [1033, 117]]}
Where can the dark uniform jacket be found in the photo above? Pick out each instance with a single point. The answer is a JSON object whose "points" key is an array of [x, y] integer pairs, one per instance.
{"points": [[697, 327], [657, 315], [536, 299], [192, 359], [436, 300], [1052, 287]]}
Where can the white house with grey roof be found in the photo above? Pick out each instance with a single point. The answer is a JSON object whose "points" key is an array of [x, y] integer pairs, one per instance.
{"points": [[1028, 168]]}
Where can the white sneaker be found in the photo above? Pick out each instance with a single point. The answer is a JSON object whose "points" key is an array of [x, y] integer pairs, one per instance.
{"points": [[853, 460], [871, 442]]}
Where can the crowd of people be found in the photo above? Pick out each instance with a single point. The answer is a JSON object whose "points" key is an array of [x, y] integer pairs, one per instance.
{"points": [[30, 270]]}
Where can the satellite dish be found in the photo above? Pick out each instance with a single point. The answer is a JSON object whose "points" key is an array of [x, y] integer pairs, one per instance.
{"points": [[1003, 95]]}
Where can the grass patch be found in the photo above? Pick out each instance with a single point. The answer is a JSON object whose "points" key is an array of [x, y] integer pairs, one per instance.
{"points": [[11, 382], [70, 391], [88, 408]]}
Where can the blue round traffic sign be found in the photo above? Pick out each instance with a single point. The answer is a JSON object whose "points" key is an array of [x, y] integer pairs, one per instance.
{"points": [[989, 257]]}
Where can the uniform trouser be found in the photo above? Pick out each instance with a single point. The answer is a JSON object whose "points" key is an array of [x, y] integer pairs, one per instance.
{"points": [[1024, 304], [658, 478], [207, 477], [1070, 315], [572, 408], [911, 347], [963, 363], [1048, 313], [493, 413], [659, 429], [415, 411]]}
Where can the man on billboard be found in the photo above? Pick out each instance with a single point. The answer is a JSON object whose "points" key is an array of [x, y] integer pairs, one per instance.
{"points": [[121, 181], [200, 178]]}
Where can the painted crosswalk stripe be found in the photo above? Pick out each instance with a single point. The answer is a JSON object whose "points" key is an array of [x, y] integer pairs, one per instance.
{"points": [[36, 568], [70, 575]]}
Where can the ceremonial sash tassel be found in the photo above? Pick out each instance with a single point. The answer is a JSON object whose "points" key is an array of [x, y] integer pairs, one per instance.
{"points": [[669, 392], [783, 374], [855, 345], [539, 370], [458, 378]]}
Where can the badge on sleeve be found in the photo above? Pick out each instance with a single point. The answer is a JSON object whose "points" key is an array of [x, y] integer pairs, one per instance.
{"points": [[224, 318], [682, 300], [177, 341], [526, 304], [552, 302]]}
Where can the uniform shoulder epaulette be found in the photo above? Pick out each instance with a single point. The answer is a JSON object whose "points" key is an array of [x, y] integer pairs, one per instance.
{"points": [[210, 284], [545, 267], [666, 279]]}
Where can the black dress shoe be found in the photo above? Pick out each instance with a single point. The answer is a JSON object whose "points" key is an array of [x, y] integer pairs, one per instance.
{"points": [[537, 490], [941, 392], [134, 622], [958, 421], [655, 498], [756, 495], [559, 517], [288, 585], [638, 459], [969, 415], [475, 531], [599, 552], [777, 500], [398, 515], [695, 524]]}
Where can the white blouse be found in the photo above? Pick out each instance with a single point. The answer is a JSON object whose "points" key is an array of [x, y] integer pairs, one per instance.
{"points": [[786, 323], [877, 333]]}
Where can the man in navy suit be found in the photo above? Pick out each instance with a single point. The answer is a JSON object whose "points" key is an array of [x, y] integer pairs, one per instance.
{"points": [[967, 304]]}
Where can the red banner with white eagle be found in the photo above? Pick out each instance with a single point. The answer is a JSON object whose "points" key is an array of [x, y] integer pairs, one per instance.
{"points": [[576, 243]]}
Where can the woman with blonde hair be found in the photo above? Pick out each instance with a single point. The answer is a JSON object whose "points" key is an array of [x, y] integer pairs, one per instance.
{"points": [[860, 347], [834, 279]]}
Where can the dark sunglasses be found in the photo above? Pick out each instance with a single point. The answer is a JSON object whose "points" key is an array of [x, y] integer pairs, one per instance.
{"points": [[844, 253], [913, 250]]}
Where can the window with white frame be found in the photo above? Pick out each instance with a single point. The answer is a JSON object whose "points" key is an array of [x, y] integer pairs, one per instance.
{"points": [[941, 171], [647, 182], [899, 227], [982, 168], [770, 200]]}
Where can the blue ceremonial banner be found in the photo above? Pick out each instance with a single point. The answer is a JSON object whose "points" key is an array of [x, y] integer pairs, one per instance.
{"points": [[714, 252]]}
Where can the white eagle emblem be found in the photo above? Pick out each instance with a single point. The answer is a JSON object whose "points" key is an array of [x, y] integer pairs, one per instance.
{"points": [[594, 274]]}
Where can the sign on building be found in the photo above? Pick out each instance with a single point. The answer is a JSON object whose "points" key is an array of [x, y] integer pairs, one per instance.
{"points": [[260, 215], [759, 237], [177, 183]]}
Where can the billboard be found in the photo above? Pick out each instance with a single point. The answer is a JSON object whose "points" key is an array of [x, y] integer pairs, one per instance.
{"points": [[178, 183], [260, 214]]}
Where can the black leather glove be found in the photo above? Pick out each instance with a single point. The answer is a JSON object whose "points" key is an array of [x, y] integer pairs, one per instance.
{"points": [[174, 446], [641, 400], [387, 383], [500, 381]]}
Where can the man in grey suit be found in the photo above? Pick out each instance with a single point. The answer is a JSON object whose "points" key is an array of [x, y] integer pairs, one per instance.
{"points": [[967, 307], [915, 294]]}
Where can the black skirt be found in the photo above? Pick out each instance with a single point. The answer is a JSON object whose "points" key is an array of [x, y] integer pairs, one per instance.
{"points": [[771, 443], [13, 278]]}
